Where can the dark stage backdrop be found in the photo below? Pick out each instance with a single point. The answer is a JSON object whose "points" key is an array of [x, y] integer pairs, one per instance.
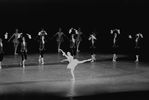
{"points": [[29, 16]]}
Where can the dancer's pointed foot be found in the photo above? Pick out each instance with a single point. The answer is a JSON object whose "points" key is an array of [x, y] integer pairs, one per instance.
{"points": [[42, 63], [137, 61], [114, 60], [23, 66], [78, 50], [15, 53]]}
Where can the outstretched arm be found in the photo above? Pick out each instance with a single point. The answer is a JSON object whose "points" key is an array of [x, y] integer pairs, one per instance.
{"points": [[53, 36], [64, 54], [64, 60], [65, 36], [10, 37], [83, 61]]}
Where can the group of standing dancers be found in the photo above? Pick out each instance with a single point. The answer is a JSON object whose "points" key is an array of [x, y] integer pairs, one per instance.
{"points": [[75, 39], [116, 33]]}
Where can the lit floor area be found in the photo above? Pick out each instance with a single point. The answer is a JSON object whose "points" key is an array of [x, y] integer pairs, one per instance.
{"points": [[102, 79]]}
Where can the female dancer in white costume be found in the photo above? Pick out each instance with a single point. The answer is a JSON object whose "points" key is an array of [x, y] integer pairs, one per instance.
{"points": [[59, 38], [137, 46], [15, 41], [72, 62]]}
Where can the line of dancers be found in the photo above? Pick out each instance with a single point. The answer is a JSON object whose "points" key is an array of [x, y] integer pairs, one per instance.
{"points": [[75, 40]]}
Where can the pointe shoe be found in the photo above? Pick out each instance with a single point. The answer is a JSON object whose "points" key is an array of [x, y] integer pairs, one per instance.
{"points": [[114, 60], [15, 53], [23, 66], [137, 61], [42, 63]]}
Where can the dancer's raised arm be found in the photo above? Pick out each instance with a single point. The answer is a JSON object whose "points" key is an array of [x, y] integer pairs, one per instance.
{"points": [[10, 37], [29, 36], [64, 54], [54, 35]]}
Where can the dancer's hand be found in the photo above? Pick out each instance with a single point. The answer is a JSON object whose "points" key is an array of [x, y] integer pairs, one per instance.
{"points": [[29, 36], [64, 60], [39, 33], [130, 36]]}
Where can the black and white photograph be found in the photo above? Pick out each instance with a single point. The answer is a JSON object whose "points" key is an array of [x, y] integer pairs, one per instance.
{"points": [[74, 49]]}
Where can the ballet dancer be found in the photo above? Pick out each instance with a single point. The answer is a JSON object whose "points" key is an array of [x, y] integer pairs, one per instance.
{"points": [[72, 62], [59, 38], [15, 41], [92, 38], [24, 50], [115, 33], [1, 52], [2, 48], [42, 39], [137, 46], [78, 38], [73, 33]]}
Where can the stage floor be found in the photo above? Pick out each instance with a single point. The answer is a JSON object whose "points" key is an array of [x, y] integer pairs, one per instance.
{"points": [[100, 78]]}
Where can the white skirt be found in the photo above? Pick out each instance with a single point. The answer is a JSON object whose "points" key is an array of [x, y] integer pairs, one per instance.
{"points": [[73, 64]]}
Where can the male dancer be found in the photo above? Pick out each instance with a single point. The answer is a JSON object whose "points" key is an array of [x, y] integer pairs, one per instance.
{"points": [[137, 46], [24, 48], [42, 40], [115, 33], [92, 38], [73, 33], [72, 62]]}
